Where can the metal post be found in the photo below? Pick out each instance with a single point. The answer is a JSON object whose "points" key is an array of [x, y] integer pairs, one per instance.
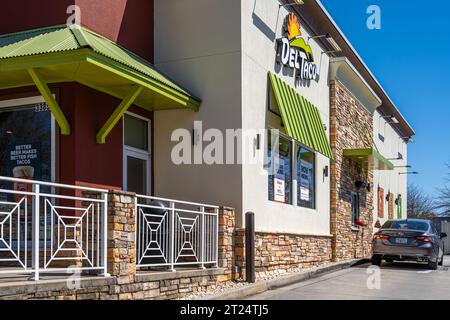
{"points": [[105, 236], [35, 237], [217, 239], [250, 247], [172, 236], [203, 248]]}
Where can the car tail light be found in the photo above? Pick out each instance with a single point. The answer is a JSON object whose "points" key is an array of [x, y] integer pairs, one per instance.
{"points": [[423, 239], [381, 237]]}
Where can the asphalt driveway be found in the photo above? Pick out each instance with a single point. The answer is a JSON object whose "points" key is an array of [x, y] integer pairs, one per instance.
{"points": [[392, 281]]}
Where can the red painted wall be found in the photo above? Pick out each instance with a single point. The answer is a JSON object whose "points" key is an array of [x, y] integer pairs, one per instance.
{"points": [[96, 163], [127, 22], [80, 160], [19, 15]]}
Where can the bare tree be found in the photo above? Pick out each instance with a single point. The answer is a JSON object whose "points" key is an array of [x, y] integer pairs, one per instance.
{"points": [[420, 205], [443, 198]]}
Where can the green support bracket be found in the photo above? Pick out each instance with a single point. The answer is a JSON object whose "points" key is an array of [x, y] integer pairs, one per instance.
{"points": [[50, 100], [117, 114]]}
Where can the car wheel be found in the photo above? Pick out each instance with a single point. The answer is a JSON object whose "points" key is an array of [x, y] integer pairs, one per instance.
{"points": [[376, 260], [433, 265]]}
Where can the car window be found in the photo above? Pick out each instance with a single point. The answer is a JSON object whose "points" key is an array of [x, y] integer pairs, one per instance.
{"points": [[406, 225]]}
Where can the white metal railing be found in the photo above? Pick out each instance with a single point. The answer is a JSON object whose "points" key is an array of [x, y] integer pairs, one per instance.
{"points": [[172, 233], [49, 227]]}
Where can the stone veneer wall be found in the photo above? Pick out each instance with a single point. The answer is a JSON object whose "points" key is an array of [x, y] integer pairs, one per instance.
{"points": [[351, 127], [125, 281], [278, 253]]}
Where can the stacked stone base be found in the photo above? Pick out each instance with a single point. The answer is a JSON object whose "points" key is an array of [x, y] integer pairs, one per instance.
{"points": [[144, 287], [278, 253]]}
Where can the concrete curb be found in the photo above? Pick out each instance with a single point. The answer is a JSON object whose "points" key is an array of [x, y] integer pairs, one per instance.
{"points": [[264, 285]]}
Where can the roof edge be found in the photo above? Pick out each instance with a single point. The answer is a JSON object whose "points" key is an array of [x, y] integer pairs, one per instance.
{"points": [[408, 128]]}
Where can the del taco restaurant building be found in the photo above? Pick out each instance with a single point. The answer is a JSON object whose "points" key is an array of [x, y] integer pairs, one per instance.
{"points": [[78, 108], [262, 66]]}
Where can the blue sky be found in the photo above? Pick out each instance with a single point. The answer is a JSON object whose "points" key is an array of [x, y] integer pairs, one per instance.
{"points": [[410, 56]]}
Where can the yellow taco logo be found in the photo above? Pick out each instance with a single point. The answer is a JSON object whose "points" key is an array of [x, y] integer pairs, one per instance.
{"points": [[294, 52]]}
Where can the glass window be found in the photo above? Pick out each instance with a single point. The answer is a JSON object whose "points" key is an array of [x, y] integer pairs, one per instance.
{"points": [[136, 175], [305, 178], [280, 168], [136, 132], [355, 208], [25, 142], [406, 225]]}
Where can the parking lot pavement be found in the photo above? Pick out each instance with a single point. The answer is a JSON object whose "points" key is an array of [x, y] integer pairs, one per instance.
{"points": [[392, 281]]}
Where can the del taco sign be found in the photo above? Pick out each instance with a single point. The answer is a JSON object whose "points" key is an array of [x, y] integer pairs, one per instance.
{"points": [[294, 52]]}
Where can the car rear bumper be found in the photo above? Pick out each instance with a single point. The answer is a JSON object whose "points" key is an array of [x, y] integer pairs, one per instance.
{"points": [[422, 254]]}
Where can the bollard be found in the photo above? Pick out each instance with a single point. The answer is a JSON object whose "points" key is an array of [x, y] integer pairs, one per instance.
{"points": [[250, 247]]}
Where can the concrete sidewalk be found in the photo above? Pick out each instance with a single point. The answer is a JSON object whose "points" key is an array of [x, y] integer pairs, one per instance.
{"points": [[281, 281]]}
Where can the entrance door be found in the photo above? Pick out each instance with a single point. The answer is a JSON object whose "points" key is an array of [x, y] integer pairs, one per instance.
{"points": [[137, 166], [26, 139]]}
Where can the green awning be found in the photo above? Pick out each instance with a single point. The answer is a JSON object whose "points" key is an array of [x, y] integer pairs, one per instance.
{"points": [[63, 54], [300, 117], [369, 158]]}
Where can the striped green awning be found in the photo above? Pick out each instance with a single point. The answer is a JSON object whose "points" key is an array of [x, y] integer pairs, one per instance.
{"points": [[300, 117], [369, 158]]}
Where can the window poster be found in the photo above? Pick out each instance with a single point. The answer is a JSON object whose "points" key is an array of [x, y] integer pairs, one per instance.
{"points": [[305, 181], [380, 202], [24, 162], [279, 187], [391, 205]]}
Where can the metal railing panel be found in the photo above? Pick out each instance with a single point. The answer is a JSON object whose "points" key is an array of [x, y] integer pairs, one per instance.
{"points": [[171, 233], [50, 227]]}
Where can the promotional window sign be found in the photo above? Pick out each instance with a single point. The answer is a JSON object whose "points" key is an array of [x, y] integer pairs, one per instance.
{"points": [[391, 205], [24, 162], [279, 187], [305, 181], [380, 202], [294, 52], [399, 207]]}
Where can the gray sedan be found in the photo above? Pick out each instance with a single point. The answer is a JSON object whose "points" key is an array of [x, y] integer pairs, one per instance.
{"points": [[408, 240]]}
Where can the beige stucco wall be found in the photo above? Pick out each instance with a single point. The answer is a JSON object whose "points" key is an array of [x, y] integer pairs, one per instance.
{"points": [[222, 51], [390, 181], [197, 43], [262, 23]]}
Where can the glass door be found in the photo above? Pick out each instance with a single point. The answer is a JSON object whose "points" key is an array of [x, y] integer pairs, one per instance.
{"points": [[26, 139], [137, 154]]}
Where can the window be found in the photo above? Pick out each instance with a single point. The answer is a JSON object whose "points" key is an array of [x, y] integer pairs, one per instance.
{"points": [[406, 225], [355, 208], [305, 178], [280, 168], [136, 155], [26, 140], [136, 132]]}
